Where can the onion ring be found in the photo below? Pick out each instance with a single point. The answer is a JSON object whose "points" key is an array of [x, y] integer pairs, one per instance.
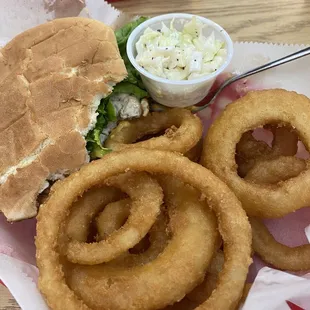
{"points": [[115, 215], [264, 244], [277, 254], [86, 208], [194, 153], [284, 141], [143, 213], [183, 132], [249, 151], [276, 170], [202, 292], [257, 109], [232, 220], [205, 289], [158, 283], [112, 218]]}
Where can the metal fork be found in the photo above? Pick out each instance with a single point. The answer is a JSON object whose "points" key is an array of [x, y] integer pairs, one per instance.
{"points": [[272, 64]]}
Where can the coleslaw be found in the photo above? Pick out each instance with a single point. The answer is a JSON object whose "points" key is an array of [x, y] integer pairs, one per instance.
{"points": [[180, 55]]}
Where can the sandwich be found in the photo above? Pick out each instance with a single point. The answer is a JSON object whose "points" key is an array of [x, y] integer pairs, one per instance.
{"points": [[63, 87]]}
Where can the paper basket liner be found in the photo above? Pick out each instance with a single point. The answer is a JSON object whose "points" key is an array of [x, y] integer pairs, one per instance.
{"points": [[17, 260]]}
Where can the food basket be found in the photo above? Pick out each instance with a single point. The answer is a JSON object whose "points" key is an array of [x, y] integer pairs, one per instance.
{"points": [[271, 289]]}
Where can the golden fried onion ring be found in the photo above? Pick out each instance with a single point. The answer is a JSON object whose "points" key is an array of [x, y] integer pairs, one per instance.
{"points": [[195, 152], [183, 132], [205, 289], [284, 141], [276, 170], [112, 217], [249, 151], [233, 224], [277, 254], [86, 208], [264, 244], [256, 109], [115, 215], [154, 285], [202, 292], [143, 213]]}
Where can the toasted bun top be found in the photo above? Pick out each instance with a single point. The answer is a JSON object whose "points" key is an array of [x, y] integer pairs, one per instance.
{"points": [[52, 78]]}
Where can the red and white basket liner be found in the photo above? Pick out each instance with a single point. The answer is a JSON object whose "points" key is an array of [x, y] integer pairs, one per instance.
{"points": [[272, 289]]}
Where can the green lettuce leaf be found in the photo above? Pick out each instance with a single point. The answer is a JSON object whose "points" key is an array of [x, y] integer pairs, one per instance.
{"points": [[93, 145], [123, 33], [122, 36], [111, 112], [133, 76], [132, 85], [98, 151], [131, 89]]}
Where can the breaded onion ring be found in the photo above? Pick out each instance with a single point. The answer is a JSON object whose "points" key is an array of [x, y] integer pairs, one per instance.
{"points": [[112, 218], [115, 215], [264, 244], [183, 131], [276, 170], [205, 289], [86, 208], [277, 254], [194, 153], [284, 141], [159, 283], [249, 151], [232, 221], [256, 109], [143, 213], [202, 292]]}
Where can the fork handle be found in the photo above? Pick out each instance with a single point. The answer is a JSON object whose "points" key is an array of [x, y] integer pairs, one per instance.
{"points": [[275, 63], [272, 64]]}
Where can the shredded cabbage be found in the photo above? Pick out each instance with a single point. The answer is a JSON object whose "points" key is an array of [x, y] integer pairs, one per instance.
{"points": [[175, 55]]}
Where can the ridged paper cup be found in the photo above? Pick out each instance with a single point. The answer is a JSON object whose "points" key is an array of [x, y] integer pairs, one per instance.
{"points": [[178, 93]]}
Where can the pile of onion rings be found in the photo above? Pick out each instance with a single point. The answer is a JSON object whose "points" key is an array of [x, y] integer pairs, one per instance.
{"points": [[270, 181], [147, 228], [133, 257]]}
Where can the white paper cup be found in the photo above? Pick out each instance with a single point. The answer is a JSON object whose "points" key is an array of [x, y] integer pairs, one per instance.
{"points": [[178, 93]]}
